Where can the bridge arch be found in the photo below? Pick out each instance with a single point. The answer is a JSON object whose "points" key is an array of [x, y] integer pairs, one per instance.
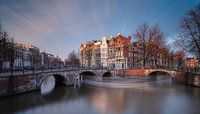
{"points": [[107, 74], [61, 79], [87, 73], [154, 74], [47, 83]]}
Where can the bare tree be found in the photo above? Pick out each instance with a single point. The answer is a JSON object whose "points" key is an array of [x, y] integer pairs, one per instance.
{"points": [[11, 53], [1, 47], [189, 39], [35, 58], [72, 59], [150, 40], [88, 55], [179, 59], [7, 46]]}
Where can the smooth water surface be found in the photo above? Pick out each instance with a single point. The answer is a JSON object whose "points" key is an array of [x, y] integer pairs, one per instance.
{"points": [[158, 97]]}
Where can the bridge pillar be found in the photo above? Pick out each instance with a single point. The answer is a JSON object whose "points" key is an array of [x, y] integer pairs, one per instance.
{"points": [[81, 78], [77, 81], [115, 74]]}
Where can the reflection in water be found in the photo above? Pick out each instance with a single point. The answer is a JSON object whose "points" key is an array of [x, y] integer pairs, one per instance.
{"points": [[47, 85], [158, 97], [114, 101]]}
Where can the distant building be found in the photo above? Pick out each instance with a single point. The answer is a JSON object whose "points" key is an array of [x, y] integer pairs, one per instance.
{"points": [[192, 62], [35, 57], [29, 57], [44, 60], [50, 61], [23, 56]]}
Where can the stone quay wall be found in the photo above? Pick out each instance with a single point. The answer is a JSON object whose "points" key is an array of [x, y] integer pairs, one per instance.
{"points": [[187, 78], [17, 84]]}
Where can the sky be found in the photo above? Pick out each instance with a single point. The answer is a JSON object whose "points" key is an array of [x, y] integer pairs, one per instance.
{"points": [[60, 26]]}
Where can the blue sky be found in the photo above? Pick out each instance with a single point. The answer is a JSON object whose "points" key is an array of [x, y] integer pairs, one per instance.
{"points": [[59, 26]]}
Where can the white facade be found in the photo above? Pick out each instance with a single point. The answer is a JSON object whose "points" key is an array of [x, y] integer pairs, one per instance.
{"points": [[104, 52], [22, 57]]}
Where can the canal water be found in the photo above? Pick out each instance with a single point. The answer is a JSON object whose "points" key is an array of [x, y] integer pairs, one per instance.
{"points": [[151, 97]]}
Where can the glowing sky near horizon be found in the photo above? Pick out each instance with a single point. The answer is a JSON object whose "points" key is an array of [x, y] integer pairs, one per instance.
{"points": [[59, 26]]}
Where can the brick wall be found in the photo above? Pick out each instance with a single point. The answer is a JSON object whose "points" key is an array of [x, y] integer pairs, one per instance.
{"points": [[17, 84], [135, 72]]}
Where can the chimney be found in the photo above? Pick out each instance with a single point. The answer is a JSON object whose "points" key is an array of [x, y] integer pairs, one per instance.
{"points": [[111, 37], [118, 33], [129, 37]]}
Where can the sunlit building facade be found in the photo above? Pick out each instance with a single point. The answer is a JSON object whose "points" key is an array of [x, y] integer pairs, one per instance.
{"points": [[119, 51], [22, 58], [192, 62], [104, 52], [90, 54]]}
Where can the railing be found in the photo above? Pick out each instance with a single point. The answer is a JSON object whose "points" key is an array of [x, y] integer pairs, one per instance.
{"points": [[45, 70], [68, 68]]}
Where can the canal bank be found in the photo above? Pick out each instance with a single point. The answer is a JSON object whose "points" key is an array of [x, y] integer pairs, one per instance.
{"points": [[187, 78]]}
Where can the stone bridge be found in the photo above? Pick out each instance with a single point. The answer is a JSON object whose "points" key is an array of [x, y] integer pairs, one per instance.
{"points": [[172, 73], [45, 81]]}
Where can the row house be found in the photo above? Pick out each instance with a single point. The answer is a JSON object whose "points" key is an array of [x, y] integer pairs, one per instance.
{"points": [[119, 52], [104, 52], [90, 54], [82, 58], [35, 56], [26, 56], [22, 56], [29, 56], [96, 54], [114, 53], [136, 56], [192, 62], [50, 61], [157, 58]]}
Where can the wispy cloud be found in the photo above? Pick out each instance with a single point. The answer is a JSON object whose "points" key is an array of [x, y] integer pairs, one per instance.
{"points": [[59, 26]]}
